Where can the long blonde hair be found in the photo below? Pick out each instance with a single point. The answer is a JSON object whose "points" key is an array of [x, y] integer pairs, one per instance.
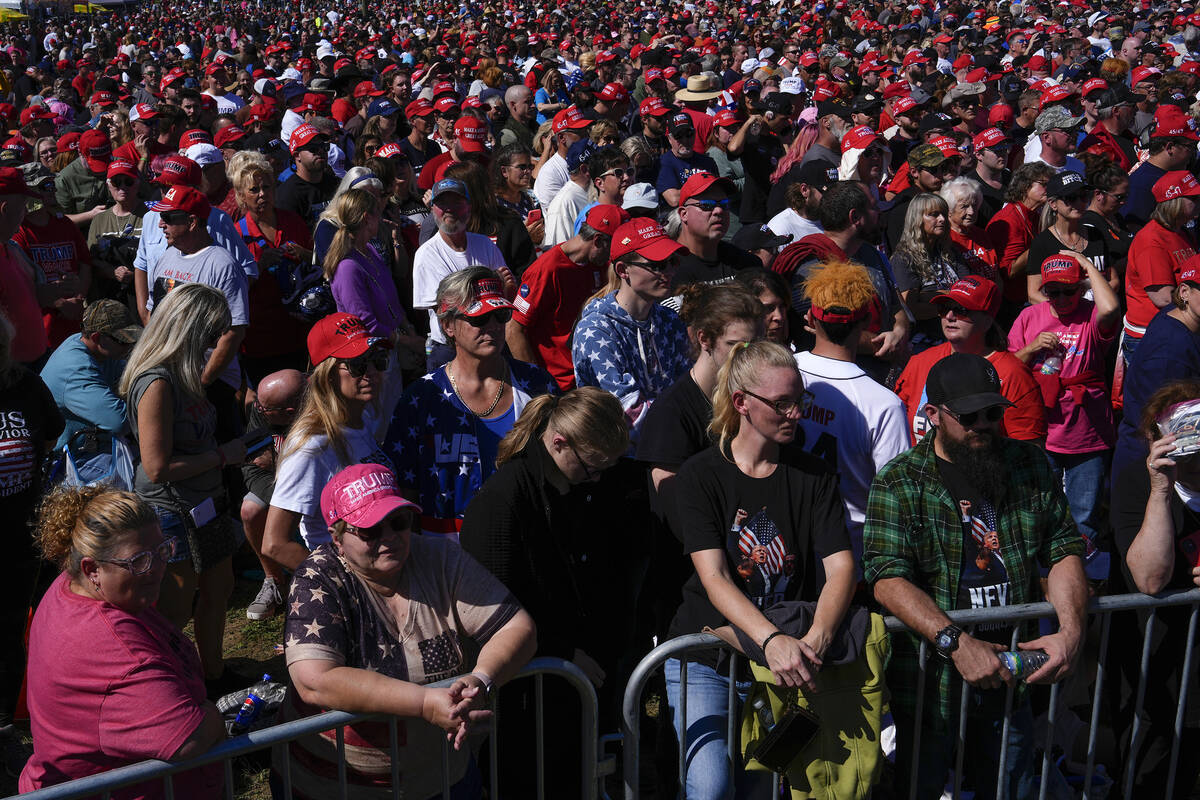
{"points": [[913, 244], [590, 418], [88, 522], [323, 412], [741, 370], [349, 212], [183, 326]]}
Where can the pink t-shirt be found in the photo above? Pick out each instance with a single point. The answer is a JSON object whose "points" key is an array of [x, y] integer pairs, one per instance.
{"points": [[107, 689], [1083, 427]]}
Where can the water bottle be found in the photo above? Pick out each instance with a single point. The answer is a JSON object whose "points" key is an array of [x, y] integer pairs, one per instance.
{"points": [[763, 711], [251, 708], [1052, 365], [1023, 663]]}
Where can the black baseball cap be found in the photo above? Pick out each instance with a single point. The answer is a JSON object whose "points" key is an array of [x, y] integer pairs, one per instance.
{"points": [[759, 237], [826, 108], [963, 383], [818, 174], [1067, 184]]}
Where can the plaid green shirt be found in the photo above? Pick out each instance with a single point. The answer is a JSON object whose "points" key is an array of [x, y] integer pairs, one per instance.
{"points": [[914, 530]]}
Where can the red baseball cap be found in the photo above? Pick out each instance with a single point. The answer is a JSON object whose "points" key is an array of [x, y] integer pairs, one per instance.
{"points": [[194, 136], [701, 182], [260, 112], [471, 133], [606, 218], [67, 143], [1061, 269], [570, 119], [389, 150], [1140, 74], [103, 99], [228, 135], [179, 170], [419, 108], [973, 292], [1055, 94], [445, 103], [1177, 183], [367, 89], [1038, 64], [339, 335], [363, 495], [988, 138], [489, 297], [12, 181], [1093, 85], [1000, 114], [860, 137], [654, 107], [893, 90], [184, 198], [979, 75], [96, 149], [613, 93], [35, 112], [903, 105], [122, 168], [444, 87], [303, 135], [913, 57], [726, 119], [142, 111], [1172, 121], [1190, 271], [645, 237]]}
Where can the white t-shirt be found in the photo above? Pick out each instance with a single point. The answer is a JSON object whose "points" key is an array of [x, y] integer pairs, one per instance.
{"points": [[227, 103], [856, 426], [303, 473], [436, 259], [788, 221], [561, 214], [552, 177]]}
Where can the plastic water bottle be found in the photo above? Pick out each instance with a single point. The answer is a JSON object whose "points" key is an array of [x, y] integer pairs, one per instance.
{"points": [[1023, 663], [252, 707], [1052, 365], [763, 712]]}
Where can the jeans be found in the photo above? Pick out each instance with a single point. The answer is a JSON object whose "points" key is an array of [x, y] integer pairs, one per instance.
{"points": [[1082, 476], [470, 787], [710, 775], [981, 759]]}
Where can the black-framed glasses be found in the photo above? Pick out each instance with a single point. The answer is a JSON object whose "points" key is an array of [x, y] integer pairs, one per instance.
{"points": [[1061, 291], [500, 316], [786, 406], [655, 267], [404, 519], [143, 562], [709, 206], [992, 414], [358, 366], [176, 217], [588, 472], [959, 311]]}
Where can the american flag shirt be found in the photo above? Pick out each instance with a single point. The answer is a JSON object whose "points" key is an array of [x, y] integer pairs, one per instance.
{"points": [[28, 419], [332, 615]]}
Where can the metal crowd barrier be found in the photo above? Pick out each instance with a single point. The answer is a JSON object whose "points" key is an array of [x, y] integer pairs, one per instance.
{"points": [[103, 784], [1104, 607]]}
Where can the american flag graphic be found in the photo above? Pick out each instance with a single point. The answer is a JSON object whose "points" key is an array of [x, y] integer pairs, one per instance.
{"points": [[16, 465], [760, 530]]}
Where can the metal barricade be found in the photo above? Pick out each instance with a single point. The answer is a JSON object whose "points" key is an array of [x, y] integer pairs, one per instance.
{"points": [[102, 784], [1103, 607]]}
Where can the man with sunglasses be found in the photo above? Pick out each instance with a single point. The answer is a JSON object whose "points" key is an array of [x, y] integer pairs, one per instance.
{"points": [[681, 159], [1173, 144], [704, 216], [309, 190], [1115, 109], [965, 520]]}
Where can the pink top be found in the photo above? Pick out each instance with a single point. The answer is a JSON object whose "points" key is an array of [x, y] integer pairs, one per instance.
{"points": [[107, 689], [1072, 427]]}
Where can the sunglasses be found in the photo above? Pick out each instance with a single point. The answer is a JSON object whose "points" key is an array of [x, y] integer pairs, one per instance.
{"points": [[709, 206], [588, 472], [619, 174], [960, 312], [121, 183], [500, 316], [992, 415], [358, 366], [450, 115], [786, 406], [176, 217], [524, 166], [655, 267], [141, 563], [1120, 198], [1066, 291], [398, 521]]}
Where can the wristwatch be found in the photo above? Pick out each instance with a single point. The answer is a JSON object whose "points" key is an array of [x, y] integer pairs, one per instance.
{"points": [[945, 642]]}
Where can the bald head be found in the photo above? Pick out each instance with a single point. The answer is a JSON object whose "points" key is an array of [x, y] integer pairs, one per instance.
{"points": [[279, 392], [519, 100]]}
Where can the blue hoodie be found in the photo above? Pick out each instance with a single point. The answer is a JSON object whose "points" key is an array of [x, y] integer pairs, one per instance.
{"points": [[634, 361]]}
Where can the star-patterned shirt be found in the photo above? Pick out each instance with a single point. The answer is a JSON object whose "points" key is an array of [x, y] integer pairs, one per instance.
{"points": [[633, 360], [334, 616], [434, 442]]}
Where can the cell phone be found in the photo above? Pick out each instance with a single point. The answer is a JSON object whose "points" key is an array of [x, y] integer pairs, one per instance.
{"points": [[534, 215], [1190, 547], [258, 440]]}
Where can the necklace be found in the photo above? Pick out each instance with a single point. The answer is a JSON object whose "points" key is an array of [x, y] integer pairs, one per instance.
{"points": [[463, 400], [1066, 239]]}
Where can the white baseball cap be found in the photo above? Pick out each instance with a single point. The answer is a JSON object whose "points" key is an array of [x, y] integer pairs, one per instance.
{"points": [[204, 154]]}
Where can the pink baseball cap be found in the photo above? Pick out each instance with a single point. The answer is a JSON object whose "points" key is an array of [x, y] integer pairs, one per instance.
{"points": [[363, 495]]}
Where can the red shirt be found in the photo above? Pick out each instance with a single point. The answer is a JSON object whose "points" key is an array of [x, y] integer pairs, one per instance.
{"points": [[979, 255], [703, 123], [552, 293], [1025, 419], [1155, 258], [20, 305], [273, 331], [58, 249], [431, 173], [1011, 231]]}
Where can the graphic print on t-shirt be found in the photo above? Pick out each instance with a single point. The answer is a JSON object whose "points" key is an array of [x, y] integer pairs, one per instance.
{"points": [[16, 454], [761, 556], [984, 582]]}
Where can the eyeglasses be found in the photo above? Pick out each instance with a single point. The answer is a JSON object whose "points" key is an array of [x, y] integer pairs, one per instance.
{"points": [[122, 183], [524, 166], [449, 115], [709, 206], [358, 366], [319, 148], [176, 217], [1120, 198], [655, 267], [618, 173], [946, 308], [1065, 291], [142, 562], [588, 473], [500, 316], [992, 415], [786, 407], [397, 522]]}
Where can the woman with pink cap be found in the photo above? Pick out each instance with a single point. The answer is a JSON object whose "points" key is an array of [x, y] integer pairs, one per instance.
{"points": [[376, 614]]}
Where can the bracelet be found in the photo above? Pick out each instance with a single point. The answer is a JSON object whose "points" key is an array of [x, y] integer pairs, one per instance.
{"points": [[767, 641]]}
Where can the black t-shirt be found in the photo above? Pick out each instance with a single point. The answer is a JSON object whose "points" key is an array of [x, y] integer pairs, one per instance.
{"points": [[983, 578], [759, 159], [774, 531], [1046, 244], [730, 259], [418, 157], [899, 147], [29, 418], [675, 429], [1117, 239], [306, 199], [993, 198]]}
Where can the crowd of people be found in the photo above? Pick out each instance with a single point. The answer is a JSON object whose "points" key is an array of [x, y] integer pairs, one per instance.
{"points": [[504, 331]]}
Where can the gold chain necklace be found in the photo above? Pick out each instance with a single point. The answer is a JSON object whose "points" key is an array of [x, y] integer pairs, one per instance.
{"points": [[463, 400]]}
